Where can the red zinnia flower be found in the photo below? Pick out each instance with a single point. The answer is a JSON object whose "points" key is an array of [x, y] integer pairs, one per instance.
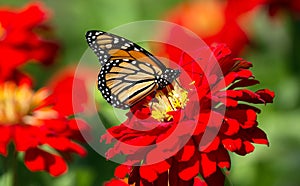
{"points": [[289, 5], [34, 121], [189, 128], [21, 40], [215, 21]]}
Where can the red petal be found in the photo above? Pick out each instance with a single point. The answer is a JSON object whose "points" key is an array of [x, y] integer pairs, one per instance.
{"points": [[66, 98], [223, 158], [244, 83], [266, 95], [190, 171], [32, 15], [232, 126], [246, 148], [258, 136], [207, 166], [38, 160], [26, 137], [245, 95], [214, 145], [186, 152], [121, 171], [232, 145], [216, 179], [148, 174], [5, 137], [151, 172], [251, 119], [65, 145], [199, 182], [115, 182]]}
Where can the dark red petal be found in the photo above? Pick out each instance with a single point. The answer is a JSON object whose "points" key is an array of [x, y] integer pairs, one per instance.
{"points": [[213, 145], [138, 140], [221, 51], [190, 171], [174, 179], [246, 148], [134, 176], [115, 132], [266, 95], [246, 118], [59, 125], [244, 83], [65, 145], [38, 160], [258, 136], [216, 179], [231, 77], [186, 152], [232, 127], [251, 119], [232, 144], [223, 158], [163, 179], [245, 95]]}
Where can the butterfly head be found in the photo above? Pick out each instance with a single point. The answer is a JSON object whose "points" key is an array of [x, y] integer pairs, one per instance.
{"points": [[167, 77]]}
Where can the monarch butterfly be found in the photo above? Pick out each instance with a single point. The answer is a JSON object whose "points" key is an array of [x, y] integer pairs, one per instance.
{"points": [[129, 73]]}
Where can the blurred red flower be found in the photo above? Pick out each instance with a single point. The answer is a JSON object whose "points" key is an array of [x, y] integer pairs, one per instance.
{"points": [[293, 6], [35, 121], [184, 146], [216, 21], [22, 38]]}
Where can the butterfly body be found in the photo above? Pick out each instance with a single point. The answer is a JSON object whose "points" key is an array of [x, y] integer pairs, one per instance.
{"points": [[129, 73]]}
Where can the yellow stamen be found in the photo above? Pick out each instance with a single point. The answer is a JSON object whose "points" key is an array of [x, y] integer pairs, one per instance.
{"points": [[18, 105], [175, 98]]}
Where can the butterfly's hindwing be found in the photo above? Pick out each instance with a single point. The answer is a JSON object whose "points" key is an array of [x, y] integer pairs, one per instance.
{"points": [[124, 83]]}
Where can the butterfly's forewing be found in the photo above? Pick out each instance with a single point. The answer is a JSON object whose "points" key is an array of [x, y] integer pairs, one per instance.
{"points": [[108, 47]]}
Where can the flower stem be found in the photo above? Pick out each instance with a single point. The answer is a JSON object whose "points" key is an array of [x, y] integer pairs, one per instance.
{"points": [[11, 164], [14, 169]]}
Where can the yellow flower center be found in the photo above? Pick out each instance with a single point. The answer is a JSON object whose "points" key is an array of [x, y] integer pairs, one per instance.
{"points": [[18, 105], [175, 98]]}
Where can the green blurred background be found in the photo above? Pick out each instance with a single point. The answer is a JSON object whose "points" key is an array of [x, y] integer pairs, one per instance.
{"points": [[275, 53]]}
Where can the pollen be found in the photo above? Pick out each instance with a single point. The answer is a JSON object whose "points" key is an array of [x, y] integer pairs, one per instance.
{"points": [[171, 98], [22, 105]]}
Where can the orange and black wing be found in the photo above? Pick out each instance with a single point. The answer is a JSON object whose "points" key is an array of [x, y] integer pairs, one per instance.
{"points": [[109, 47], [128, 74], [123, 83]]}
